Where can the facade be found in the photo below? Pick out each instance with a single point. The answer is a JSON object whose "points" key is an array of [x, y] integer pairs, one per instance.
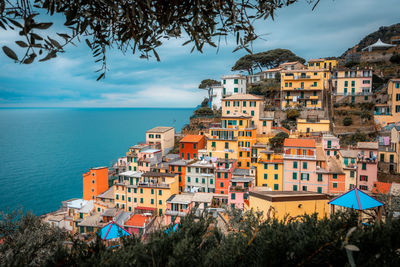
{"points": [[367, 165], [270, 171], [216, 96], [282, 203], [387, 153], [304, 88], [293, 65], [389, 111], [330, 144], [178, 206], [165, 136], [135, 153], [352, 82], [267, 74], [349, 162], [239, 191], [200, 177], [245, 105], [223, 174], [179, 167], [312, 125], [233, 139], [189, 146], [300, 165], [233, 84], [322, 64], [95, 182], [148, 158], [138, 224]]}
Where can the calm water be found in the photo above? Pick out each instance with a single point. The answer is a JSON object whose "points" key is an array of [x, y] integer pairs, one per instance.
{"points": [[43, 152]]}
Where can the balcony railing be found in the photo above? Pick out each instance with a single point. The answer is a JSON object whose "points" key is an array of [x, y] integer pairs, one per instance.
{"points": [[175, 213], [290, 156], [238, 189]]}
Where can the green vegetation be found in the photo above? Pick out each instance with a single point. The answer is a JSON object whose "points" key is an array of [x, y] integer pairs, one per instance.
{"points": [[269, 59], [207, 85], [269, 88], [352, 139], [292, 114], [203, 112], [395, 59], [299, 241], [347, 121], [276, 142]]}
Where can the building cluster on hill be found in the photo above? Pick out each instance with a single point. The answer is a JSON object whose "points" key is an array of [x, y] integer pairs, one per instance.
{"points": [[235, 164]]}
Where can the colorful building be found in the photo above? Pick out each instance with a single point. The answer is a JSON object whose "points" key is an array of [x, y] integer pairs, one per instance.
{"points": [[165, 136], [233, 139], [179, 167], [388, 111], [293, 65], [352, 82], [270, 170], [200, 177], [312, 125], [241, 183], [280, 204], [223, 174], [349, 163], [322, 64], [178, 206], [303, 88], [95, 182], [138, 224], [189, 146], [233, 84], [367, 165]]}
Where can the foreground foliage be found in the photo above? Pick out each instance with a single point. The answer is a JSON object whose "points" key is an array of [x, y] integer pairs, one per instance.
{"points": [[301, 241]]}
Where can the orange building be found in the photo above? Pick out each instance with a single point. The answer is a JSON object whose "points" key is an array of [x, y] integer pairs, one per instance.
{"points": [[179, 167], [190, 145], [95, 182]]}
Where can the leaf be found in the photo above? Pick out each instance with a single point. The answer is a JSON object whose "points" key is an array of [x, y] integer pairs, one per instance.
{"points": [[16, 23], [50, 55], [101, 76], [351, 247], [11, 54], [2, 25], [156, 55], [37, 37], [88, 43], [21, 43], [43, 25], [55, 43], [64, 35]]}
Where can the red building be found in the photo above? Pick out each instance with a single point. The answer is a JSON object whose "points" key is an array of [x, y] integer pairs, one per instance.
{"points": [[223, 175], [190, 145]]}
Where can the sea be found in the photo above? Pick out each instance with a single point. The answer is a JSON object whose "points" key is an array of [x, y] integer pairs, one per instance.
{"points": [[45, 151]]}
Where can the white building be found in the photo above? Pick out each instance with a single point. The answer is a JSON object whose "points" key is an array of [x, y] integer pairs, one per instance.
{"points": [[216, 96], [233, 84], [200, 177], [267, 74]]}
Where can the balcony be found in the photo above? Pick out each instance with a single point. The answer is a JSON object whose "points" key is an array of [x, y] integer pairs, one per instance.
{"points": [[314, 97], [238, 189], [150, 185], [175, 213], [299, 157]]}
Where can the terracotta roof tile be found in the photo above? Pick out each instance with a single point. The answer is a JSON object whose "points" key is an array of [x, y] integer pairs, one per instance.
{"points": [[243, 97], [138, 220], [191, 138], [297, 142]]}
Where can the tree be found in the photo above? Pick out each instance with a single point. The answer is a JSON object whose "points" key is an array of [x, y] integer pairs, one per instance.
{"points": [[207, 84], [276, 142], [395, 59], [204, 103], [347, 121], [268, 59], [131, 26], [292, 114], [203, 111]]}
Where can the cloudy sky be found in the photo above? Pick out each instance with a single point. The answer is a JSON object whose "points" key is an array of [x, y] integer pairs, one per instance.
{"points": [[70, 81]]}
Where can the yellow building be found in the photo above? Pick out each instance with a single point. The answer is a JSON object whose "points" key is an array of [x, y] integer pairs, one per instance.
{"points": [[165, 136], [389, 110], [270, 171], [303, 88], [148, 191], [322, 64], [279, 204], [305, 126], [233, 140], [248, 105]]}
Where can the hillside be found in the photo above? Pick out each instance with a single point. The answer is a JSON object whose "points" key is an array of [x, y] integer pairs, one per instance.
{"points": [[384, 33]]}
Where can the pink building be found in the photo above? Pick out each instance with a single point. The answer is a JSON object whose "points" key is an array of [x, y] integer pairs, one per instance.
{"points": [[300, 165], [330, 145], [148, 158], [367, 165], [139, 223], [239, 191], [178, 206]]}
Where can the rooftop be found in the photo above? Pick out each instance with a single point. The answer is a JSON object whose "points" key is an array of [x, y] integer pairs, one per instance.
{"points": [[281, 196], [243, 97], [290, 63], [138, 220], [297, 142], [241, 172], [110, 212], [133, 174], [191, 138], [91, 221], [317, 60], [348, 153], [151, 150], [367, 145], [76, 203], [160, 129], [203, 197], [184, 198]]}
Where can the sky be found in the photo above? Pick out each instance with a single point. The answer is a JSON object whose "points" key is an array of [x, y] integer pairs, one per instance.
{"points": [[70, 79]]}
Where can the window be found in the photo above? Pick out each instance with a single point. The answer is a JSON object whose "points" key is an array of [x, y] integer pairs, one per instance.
{"points": [[183, 155], [329, 144], [334, 176], [252, 113], [364, 178], [294, 187], [151, 135], [224, 81], [364, 166], [352, 174], [226, 175], [221, 184], [305, 176], [160, 202], [123, 197], [194, 155], [319, 177], [236, 90], [141, 190], [276, 186], [265, 166], [211, 181], [265, 176], [129, 199], [334, 185], [304, 188], [152, 201], [276, 166], [116, 196], [188, 179], [276, 176], [319, 189], [346, 83], [203, 181], [397, 109], [160, 192], [158, 136], [353, 83], [182, 145], [135, 199], [233, 196], [213, 144], [152, 191], [328, 153], [294, 164], [295, 176], [236, 81], [141, 200], [304, 165], [188, 156]]}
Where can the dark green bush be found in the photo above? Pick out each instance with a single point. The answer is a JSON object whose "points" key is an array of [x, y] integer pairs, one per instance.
{"points": [[347, 121]]}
